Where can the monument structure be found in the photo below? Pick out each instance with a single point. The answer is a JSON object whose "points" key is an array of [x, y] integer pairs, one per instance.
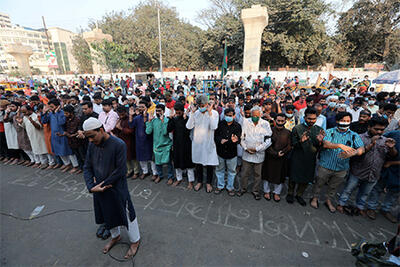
{"points": [[94, 36], [21, 53], [255, 19]]}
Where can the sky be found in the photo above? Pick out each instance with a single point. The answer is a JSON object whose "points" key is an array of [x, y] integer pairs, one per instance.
{"points": [[73, 14], [76, 14]]}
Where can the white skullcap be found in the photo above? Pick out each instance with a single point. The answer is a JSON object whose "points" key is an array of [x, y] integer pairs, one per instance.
{"points": [[91, 124]]}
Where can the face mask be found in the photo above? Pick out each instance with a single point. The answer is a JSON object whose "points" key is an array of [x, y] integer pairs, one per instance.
{"points": [[162, 103], [127, 106], [280, 125], [371, 102], [344, 126], [351, 98], [191, 93], [385, 116], [129, 93], [228, 119], [202, 110], [289, 115], [332, 104], [158, 115], [35, 108], [255, 119]]}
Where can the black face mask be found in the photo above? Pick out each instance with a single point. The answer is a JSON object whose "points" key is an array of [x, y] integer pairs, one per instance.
{"points": [[280, 125]]}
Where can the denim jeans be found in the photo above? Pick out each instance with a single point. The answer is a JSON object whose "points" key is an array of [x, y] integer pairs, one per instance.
{"points": [[364, 190], [390, 197], [230, 165], [170, 170]]}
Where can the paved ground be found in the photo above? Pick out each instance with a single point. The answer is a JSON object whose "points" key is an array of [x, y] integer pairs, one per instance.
{"points": [[178, 227]]}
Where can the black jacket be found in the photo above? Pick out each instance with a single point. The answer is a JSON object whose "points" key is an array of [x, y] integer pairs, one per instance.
{"points": [[227, 150]]}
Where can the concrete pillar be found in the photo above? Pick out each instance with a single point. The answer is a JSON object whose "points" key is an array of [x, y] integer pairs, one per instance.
{"points": [[21, 53], [91, 37], [255, 19]]}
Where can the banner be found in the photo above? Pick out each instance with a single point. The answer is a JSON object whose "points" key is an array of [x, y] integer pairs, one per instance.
{"points": [[51, 59]]}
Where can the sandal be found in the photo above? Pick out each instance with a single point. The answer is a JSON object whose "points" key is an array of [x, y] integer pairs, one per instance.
{"points": [[256, 195], [267, 198], [231, 193], [201, 185], [241, 192], [330, 210], [275, 199], [218, 191]]}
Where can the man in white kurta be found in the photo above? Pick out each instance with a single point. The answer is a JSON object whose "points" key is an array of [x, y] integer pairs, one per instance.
{"points": [[34, 129], [256, 138], [204, 122]]}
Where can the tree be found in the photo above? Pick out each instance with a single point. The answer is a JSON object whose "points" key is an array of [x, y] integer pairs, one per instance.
{"points": [[372, 30], [137, 31], [81, 52], [295, 35], [116, 57]]}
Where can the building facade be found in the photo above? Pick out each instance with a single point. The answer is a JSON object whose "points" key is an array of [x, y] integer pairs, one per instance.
{"points": [[60, 41]]}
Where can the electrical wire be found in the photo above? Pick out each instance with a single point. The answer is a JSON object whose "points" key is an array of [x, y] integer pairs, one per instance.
{"points": [[41, 216], [68, 210]]}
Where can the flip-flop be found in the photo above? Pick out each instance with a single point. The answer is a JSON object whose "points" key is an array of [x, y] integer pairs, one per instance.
{"points": [[256, 195], [268, 199], [327, 206], [194, 188], [275, 199]]}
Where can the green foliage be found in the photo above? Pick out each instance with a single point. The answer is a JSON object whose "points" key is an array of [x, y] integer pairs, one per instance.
{"points": [[371, 29], [81, 52], [116, 57], [137, 31]]}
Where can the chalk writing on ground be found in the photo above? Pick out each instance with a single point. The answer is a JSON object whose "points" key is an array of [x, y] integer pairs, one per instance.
{"points": [[226, 214]]}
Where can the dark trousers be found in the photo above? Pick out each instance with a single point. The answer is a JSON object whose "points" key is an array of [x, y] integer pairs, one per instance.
{"points": [[3, 145], [300, 188], [199, 173]]}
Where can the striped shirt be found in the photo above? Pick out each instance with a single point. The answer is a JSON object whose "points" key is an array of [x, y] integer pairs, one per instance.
{"points": [[329, 158]]}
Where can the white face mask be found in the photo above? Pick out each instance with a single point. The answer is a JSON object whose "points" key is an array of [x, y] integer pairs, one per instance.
{"points": [[289, 115]]}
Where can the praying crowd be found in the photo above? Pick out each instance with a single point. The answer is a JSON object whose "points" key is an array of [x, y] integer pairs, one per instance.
{"points": [[336, 138]]}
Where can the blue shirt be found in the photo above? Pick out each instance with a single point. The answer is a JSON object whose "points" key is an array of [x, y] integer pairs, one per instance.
{"points": [[329, 158]]}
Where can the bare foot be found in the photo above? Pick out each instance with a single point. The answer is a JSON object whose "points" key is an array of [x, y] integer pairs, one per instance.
{"points": [[67, 168], [111, 243], [209, 188], [74, 170], [314, 203], [132, 250], [154, 177], [135, 176], [169, 181], [176, 183], [157, 180], [190, 186]]}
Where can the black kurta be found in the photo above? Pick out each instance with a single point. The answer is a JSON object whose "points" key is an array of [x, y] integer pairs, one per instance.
{"points": [[107, 162], [275, 168], [304, 155], [182, 144]]}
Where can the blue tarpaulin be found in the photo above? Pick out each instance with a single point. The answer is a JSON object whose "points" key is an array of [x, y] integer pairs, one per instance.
{"points": [[388, 78]]}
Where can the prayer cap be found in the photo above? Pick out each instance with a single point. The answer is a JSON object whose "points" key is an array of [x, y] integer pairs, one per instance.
{"points": [[91, 124]]}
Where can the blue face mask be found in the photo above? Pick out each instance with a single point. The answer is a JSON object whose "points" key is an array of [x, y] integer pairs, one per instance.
{"points": [[332, 104], [385, 116], [228, 119], [371, 102], [127, 106], [202, 110]]}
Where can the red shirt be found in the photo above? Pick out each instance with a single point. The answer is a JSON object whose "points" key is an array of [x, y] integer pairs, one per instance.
{"points": [[299, 106], [171, 104]]}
